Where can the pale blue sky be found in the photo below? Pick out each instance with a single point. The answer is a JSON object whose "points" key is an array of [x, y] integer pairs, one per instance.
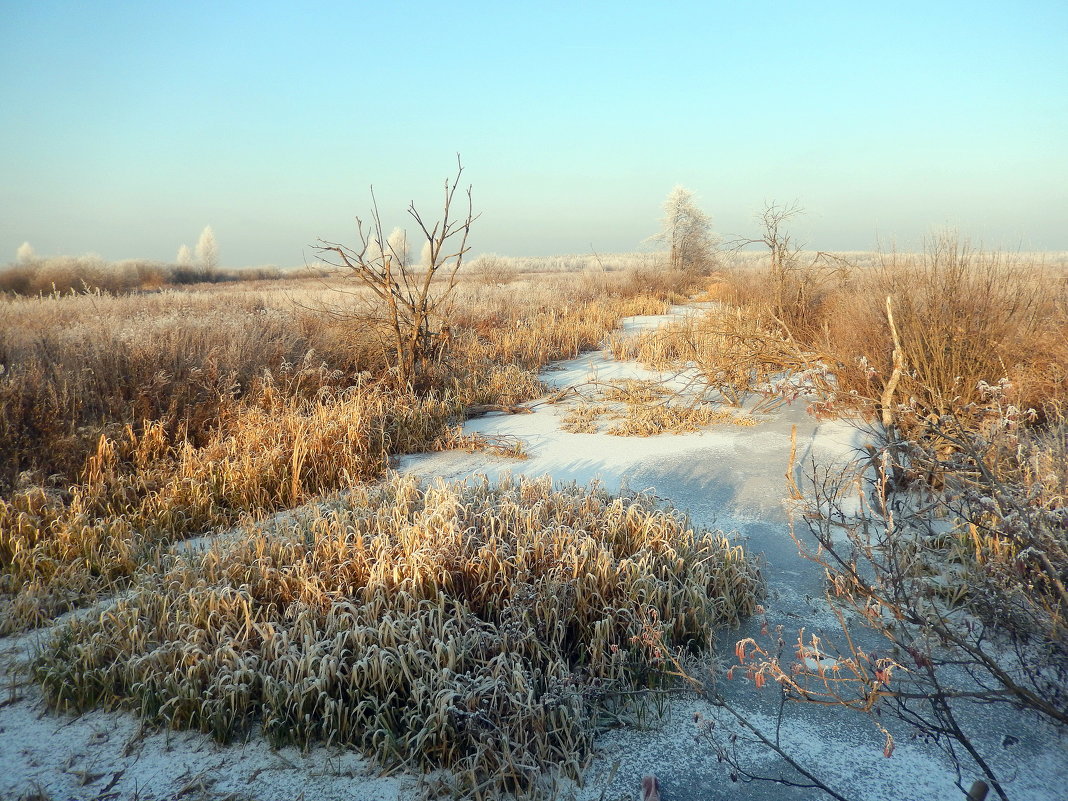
{"points": [[128, 126]]}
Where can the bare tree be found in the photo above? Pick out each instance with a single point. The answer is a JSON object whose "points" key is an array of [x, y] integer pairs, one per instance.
{"points": [[795, 285], [784, 251], [686, 231], [409, 295], [964, 587], [184, 257]]}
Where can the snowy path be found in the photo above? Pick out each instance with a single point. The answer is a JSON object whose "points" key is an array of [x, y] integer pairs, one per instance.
{"points": [[725, 477]]}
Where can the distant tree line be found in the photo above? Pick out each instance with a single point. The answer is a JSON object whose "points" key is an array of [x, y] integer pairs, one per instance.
{"points": [[31, 274]]}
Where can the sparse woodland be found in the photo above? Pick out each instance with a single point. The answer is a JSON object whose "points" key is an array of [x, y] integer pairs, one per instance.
{"points": [[393, 618]]}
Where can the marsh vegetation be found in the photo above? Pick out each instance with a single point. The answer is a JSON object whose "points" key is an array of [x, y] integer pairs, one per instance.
{"points": [[428, 625]]}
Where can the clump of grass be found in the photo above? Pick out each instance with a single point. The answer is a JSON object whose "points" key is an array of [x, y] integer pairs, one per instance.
{"points": [[648, 421], [468, 626], [583, 417], [636, 408], [497, 384], [663, 348], [455, 439], [144, 492], [636, 392]]}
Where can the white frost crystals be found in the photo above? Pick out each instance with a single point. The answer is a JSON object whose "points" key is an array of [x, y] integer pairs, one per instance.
{"points": [[686, 231]]}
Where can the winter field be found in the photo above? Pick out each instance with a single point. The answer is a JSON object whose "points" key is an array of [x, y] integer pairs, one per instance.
{"points": [[764, 524]]}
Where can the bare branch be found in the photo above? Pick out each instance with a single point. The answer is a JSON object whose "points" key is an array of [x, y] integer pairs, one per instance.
{"points": [[383, 265]]}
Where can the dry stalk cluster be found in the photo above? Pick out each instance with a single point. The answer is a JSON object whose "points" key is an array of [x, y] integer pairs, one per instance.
{"points": [[478, 627], [636, 408], [735, 357], [964, 586], [144, 491], [129, 422]]}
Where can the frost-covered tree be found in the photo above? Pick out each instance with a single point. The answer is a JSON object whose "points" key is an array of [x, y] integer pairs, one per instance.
{"points": [[397, 246], [686, 231], [394, 246], [184, 257], [207, 251], [25, 253]]}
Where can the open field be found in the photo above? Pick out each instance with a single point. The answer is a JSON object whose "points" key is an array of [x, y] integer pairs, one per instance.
{"points": [[483, 632]]}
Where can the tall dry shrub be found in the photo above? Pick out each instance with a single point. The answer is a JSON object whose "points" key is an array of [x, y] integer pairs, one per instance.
{"points": [[963, 317]]}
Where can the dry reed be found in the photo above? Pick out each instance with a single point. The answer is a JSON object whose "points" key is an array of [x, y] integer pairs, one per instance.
{"points": [[129, 422]]}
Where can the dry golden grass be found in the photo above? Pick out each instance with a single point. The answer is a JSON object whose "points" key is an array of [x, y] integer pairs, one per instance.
{"points": [[143, 492], [129, 422], [963, 317], [643, 408], [476, 627], [583, 418], [649, 421], [75, 367]]}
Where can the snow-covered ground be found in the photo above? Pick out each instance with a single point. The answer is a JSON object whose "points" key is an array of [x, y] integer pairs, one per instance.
{"points": [[726, 477]]}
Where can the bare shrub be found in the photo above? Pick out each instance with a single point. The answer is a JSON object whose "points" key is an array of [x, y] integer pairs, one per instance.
{"points": [[965, 587], [406, 297], [492, 269]]}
